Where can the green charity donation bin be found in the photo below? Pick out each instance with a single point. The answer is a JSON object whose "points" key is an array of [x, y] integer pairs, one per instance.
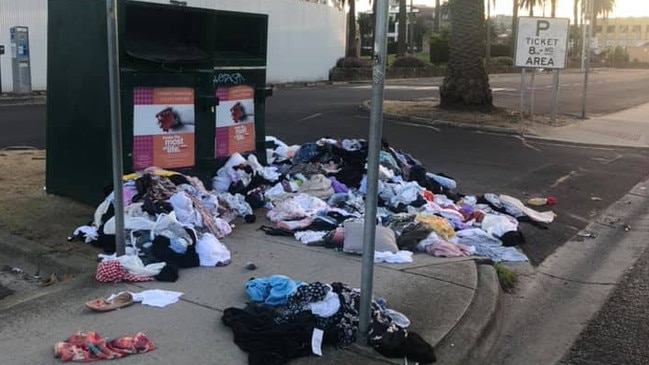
{"points": [[192, 88]]}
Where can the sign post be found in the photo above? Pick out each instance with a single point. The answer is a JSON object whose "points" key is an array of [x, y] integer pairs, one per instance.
{"points": [[542, 43]]}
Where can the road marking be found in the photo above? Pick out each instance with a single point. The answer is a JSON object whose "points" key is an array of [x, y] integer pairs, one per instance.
{"points": [[563, 179], [419, 125], [309, 117], [606, 161], [527, 144]]}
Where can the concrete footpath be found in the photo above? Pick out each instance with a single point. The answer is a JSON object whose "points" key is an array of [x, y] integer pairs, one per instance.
{"points": [[452, 303], [629, 128]]}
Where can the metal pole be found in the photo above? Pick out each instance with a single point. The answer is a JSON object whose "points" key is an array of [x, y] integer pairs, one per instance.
{"points": [[522, 91], [374, 141], [532, 94], [115, 123], [411, 29], [555, 92], [591, 13], [583, 38]]}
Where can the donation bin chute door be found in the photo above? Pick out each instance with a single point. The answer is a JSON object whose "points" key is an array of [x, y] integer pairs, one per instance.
{"points": [[239, 116], [160, 120]]}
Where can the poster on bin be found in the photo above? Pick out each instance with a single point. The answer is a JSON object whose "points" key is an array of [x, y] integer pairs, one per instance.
{"points": [[163, 127], [235, 120]]}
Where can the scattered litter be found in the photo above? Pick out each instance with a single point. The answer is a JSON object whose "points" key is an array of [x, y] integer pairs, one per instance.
{"points": [[250, 265], [550, 200], [595, 198], [627, 227], [587, 234], [643, 188]]}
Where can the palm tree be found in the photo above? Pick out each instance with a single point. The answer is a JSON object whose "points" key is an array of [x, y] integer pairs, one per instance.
{"points": [[401, 34], [530, 4], [351, 48], [466, 85], [575, 12], [553, 8]]}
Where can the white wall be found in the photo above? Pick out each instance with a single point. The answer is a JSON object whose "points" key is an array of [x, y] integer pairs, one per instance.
{"points": [[304, 39], [32, 14]]}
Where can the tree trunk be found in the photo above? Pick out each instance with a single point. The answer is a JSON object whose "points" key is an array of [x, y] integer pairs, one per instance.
{"points": [[488, 23], [403, 26], [553, 8], [575, 12], [466, 85], [352, 45]]}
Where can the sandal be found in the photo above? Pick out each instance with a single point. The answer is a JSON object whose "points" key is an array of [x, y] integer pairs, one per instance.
{"points": [[120, 300]]}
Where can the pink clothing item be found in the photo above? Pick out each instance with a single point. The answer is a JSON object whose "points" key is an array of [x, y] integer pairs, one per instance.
{"points": [[293, 225], [112, 271], [446, 249]]}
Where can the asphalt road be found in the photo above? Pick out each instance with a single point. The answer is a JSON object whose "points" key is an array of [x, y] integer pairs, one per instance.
{"points": [[481, 162], [618, 334]]}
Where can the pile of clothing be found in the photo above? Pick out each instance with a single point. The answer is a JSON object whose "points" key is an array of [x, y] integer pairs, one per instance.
{"points": [[317, 190], [171, 221], [288, 319], [315, 193]]}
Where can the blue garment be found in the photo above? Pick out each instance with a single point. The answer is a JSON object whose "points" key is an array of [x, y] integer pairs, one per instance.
{"points": [[178, 245], [306, 153], [272, 290]]}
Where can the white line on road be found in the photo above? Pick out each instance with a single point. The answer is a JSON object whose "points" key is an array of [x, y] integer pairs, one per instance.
{"points": [[419, 125], [309, 117]]}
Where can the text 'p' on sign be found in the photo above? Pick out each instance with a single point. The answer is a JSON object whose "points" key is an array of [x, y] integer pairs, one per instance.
{"points": [[542, 42]]}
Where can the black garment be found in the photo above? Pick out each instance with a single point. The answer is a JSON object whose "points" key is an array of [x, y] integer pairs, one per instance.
{"points": [[271, 231], [105, 241], [393, 341], [169, 273], [155, 207], [267, 342], [512, 238], [164, 253], [179, 179], [411, 236]]}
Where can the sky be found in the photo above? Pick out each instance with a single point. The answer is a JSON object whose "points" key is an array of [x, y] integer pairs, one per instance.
{"points": [[623, 8]]}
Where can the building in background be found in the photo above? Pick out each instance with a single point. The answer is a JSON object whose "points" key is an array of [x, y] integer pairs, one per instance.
{"points": [[630, 33], [305, 37]]}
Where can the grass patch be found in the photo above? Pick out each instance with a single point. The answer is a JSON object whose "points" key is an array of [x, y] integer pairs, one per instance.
{"points": [[506, 277]]}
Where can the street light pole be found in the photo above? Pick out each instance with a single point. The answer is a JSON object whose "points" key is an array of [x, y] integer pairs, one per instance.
{"points": [[374, 144], [591, 16], [115, 123]]}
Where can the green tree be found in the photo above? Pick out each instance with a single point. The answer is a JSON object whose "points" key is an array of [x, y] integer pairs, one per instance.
{"points": [[466, 85], [351, 48], [530, 5]]}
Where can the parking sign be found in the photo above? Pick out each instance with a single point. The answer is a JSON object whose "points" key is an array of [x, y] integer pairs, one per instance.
{"points": [[542, 42]]}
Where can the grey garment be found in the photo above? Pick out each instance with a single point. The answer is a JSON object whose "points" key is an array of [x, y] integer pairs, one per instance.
{"points": [[398, 222], [307, 169], [500, 253], [236, 202], [385, 240], [489, 246]]}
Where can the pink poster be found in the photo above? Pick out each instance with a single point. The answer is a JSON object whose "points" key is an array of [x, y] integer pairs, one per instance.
{"points": [[163, 127], [235, 120]]}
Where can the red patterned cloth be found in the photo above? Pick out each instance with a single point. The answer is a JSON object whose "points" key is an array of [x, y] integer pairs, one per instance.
{"points": [[111, 271], [86, 347]]}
